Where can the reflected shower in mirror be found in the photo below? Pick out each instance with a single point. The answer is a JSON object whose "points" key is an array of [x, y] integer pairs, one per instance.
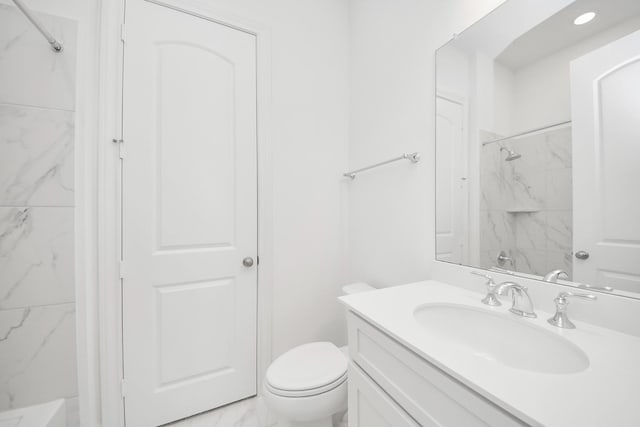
{"points": [[536, 143]]}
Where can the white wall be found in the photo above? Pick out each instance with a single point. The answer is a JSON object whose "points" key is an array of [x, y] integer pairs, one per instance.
{"points": [[391, 214], [309, 137]]}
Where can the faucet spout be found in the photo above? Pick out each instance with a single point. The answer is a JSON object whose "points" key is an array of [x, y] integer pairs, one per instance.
{"points": [[554, 275], [522, 304]]}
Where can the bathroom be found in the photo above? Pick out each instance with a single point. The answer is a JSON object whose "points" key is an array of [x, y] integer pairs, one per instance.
{"points": [[341, 173]]}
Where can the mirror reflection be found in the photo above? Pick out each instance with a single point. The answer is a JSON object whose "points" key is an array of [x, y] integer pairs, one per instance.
{"points": [[538, 143]]}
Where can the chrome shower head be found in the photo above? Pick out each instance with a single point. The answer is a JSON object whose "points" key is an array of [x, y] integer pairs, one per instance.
{"points": [[511, 155]]}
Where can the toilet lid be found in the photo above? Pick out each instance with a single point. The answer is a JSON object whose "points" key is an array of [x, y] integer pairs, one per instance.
{"points": [[306, 367]]}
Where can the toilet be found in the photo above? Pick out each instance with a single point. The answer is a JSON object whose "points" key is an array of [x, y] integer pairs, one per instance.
{"points": [[307, 385]]}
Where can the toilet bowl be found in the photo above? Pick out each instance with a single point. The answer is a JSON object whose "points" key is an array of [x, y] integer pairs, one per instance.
{"points": [[307, 385]]}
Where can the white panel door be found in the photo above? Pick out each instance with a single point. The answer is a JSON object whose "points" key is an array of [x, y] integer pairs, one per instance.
{"points": [[451, 183], [605, 92], [189, 214]]}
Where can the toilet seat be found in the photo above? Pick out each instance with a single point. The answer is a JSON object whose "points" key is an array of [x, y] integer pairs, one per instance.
{"points": [[309, 392], [307, 370]]}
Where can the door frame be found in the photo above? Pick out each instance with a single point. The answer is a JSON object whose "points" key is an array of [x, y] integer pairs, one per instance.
{"points": [[109, 390]]}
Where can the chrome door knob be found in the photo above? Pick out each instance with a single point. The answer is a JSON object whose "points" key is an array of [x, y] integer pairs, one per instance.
{"points": [[582, 255], [247, 262]]}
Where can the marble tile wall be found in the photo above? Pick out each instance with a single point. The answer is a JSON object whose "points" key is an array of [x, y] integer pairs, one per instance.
{"points": [[526, 204], [37, 121]]}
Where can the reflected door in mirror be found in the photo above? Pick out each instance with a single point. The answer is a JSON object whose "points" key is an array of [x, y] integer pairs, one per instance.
{"points": [[606, 116]]}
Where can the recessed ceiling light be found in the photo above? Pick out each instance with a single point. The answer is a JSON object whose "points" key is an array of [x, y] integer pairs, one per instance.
{"points": [[584, 18]]}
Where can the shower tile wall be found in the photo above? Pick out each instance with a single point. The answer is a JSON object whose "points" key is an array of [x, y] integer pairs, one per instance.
{"points": [[526, 205], [37, 302]]}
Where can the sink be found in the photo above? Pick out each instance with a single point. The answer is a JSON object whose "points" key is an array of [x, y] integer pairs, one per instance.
{"points": [[502, 338]]}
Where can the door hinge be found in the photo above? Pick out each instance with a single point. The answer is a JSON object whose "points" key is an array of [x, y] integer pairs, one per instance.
{"points": [[123, 387], [258, 260], [123, 33], [120, 143], [121, 267]]}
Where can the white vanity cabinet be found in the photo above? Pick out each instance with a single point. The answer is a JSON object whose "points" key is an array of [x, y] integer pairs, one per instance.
{"points": [[389, 385]]}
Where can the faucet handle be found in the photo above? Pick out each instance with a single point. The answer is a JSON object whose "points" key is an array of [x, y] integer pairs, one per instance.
{"points": [[560, 319], [486, 276], [565, 294], [490, 298], [596, 288]]}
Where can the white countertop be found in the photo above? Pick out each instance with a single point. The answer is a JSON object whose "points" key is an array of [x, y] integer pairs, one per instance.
{"points": [[606, 394]]}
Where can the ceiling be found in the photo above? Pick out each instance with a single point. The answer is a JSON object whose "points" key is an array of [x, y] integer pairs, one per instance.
{"points": [[559, 32]]}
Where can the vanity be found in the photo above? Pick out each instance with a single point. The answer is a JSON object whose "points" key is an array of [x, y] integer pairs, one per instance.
{"points": [[432, 354], [536, 151]]}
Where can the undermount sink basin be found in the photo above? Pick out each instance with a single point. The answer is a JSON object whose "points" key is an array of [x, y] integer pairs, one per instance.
{"points": [[502, 338]]}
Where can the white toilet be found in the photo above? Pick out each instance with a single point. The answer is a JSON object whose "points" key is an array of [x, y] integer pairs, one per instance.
{"points": [[307, 385]]}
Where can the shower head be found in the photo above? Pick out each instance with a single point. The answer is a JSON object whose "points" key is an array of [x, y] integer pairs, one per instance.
{"points": [[511, 155]]}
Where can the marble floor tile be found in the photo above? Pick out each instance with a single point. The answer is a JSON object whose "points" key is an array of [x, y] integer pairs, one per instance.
{"points": [[246, 413]]}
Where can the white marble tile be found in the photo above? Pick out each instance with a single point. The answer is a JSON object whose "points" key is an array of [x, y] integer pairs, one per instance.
{"points": [[532, 261], [530, 230], [30, 71], [37, 355], [525, 191], [560, 230], [36, 156], [240, 414], [559, 154], [496, 230], [559, 190], [36, 256], [495, 191]]}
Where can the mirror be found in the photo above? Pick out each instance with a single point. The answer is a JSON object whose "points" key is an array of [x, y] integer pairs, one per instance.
{"points": [[538, 143]]}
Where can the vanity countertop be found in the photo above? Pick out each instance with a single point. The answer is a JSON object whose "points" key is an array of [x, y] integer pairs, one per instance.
{"points": [[606, 394]]}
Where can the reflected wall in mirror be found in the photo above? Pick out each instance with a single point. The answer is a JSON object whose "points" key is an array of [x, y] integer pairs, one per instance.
{"points": [[538, 143]]}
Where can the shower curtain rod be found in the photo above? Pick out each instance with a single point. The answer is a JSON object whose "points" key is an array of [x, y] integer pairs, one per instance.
{"points": [[57, 46], [526, 132]]}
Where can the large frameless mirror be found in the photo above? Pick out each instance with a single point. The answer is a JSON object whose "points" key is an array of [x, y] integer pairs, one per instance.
{"points": [[538, 143]]}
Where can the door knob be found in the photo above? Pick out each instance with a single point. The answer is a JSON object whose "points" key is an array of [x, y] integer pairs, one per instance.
{"points": [[582, 255], [247, 262]]}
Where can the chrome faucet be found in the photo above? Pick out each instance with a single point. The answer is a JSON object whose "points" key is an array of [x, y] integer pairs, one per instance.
{"points": [[560, 319], [554, 275], [490, 298], [522, 304]]}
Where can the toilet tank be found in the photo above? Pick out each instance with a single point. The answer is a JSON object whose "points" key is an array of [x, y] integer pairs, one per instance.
{"points": [[357, 287]]}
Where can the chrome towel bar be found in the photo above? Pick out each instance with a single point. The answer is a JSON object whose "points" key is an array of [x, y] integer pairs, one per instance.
{"points": [[414, 157]]}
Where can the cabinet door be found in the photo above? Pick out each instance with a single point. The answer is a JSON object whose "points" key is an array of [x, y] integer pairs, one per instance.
{"points": [[426, 393], [369, 406]]}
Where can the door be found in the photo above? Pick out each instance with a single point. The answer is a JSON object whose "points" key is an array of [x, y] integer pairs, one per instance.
{"points": [[451, 182], [189, 214], [605, 102]]}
